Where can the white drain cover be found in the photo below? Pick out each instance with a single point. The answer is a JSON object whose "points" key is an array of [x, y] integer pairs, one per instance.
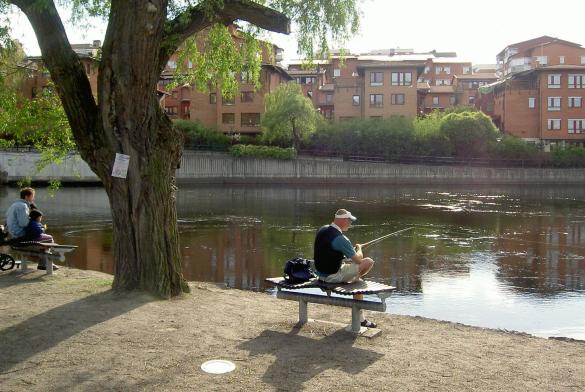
{"points": [[218, 366]]}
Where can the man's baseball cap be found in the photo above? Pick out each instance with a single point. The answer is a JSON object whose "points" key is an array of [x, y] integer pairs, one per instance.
{"points": [[342, 213]]}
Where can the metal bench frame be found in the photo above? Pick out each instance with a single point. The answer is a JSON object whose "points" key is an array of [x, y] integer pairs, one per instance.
{"points": [[357, 306]]}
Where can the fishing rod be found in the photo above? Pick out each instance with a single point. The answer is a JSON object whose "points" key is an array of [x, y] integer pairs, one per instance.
{"points": [[385, 236]]}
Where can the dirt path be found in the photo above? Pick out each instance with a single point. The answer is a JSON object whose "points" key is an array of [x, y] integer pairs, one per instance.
{"points": [[68, 332]]}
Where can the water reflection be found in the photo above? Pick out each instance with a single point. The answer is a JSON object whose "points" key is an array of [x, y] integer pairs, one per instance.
{"points": [[503, 257]]}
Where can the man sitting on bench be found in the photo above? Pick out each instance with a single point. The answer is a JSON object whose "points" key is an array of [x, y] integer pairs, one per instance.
{"points": [[331, 247], [17, 215]]}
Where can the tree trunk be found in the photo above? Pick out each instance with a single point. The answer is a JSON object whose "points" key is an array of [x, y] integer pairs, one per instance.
{"points": [[146, 239], [296, 135]]}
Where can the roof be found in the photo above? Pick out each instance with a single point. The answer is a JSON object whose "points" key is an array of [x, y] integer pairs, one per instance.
{"points": [[387, 64], [477, 76], [396, 58], [442, 90], [449, 60], [542, 40]]}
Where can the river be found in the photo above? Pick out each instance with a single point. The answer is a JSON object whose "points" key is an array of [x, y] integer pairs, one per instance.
{"points": [[500, 257]]}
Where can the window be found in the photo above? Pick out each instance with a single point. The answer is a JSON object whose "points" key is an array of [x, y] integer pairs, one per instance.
{"points": [[376, 100], [401, 78], [576, 125], [554, 104], [427, 69], [306, 80], [437, 70], [250, 119], [172, 64], [328, 99], [228, 118], [355, 100], [397, 99], [574, 102], [447, 70], [213, 98], [189, 64], [246, 77], [576, 80], [247, 96], [466, 70], [554, 124], [561, 59], [435, 101], [336, 72], [542, 60], [554, 81], [171, 110], [228, 100], [376, 78], [470, 100], [582, 59], [531, 103]]}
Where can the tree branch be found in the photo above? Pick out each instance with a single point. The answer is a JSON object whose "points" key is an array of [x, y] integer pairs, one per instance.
{"points": [[196, 19], [67, 71]]}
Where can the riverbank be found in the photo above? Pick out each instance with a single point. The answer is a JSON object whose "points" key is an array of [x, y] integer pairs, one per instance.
{"points": [[204, 167], [68, 331]]}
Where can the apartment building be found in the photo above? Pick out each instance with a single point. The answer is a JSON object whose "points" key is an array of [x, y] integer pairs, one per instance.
{"points": [[39, 78], [437, 83], [466, 87], [540, 97], [538, 52], [240, 114]]}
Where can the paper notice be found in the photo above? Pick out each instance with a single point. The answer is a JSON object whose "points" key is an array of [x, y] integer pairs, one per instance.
{"points": [[120, 169]]}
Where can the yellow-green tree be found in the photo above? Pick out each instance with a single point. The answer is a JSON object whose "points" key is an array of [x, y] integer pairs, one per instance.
{"points": [[289, 115]]}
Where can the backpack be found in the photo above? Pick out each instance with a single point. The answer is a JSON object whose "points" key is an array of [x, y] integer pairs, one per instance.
{"points": [[297, 270]]}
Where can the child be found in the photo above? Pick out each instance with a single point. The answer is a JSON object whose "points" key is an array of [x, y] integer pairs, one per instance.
{"points": [[34, 230]]}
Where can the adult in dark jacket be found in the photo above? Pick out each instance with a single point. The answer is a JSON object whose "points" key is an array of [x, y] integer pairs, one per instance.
{"points": [[332, 248]]}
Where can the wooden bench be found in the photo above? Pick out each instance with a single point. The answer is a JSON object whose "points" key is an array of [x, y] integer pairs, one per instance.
{"points": [[288, 291], [45, 251]]}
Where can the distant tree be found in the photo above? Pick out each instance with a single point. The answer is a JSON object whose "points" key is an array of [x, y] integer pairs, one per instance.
{"points": [[289, 115], [127, 119]]}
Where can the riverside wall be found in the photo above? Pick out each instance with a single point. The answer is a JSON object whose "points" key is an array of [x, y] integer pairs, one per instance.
{"points": [[210, 167]]}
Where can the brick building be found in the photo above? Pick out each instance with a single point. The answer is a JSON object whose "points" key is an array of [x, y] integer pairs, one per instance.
{"points": [[539, 98]]}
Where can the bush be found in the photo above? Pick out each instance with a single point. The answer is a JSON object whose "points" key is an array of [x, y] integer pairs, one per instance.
{"points": [[570, 156], [246, 150], [428, 138], [510, 147], [472, 134], [198, 134]]}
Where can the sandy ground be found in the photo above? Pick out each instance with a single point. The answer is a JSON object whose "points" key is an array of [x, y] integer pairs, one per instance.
{"points": [[69, 332]]}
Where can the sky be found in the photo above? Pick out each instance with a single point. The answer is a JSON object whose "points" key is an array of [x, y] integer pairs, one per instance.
{"points": [[476, 31]]}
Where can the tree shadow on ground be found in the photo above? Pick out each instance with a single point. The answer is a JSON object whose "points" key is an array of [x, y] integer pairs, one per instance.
{"points": [[17, 277], [299, 358], [46, 330]]}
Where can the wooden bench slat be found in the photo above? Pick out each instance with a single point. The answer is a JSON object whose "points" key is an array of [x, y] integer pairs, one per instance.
{"points": [[360, 287]]}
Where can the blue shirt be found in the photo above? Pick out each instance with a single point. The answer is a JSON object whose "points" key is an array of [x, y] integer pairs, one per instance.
{"points": [[17, 218], [343, 244]]}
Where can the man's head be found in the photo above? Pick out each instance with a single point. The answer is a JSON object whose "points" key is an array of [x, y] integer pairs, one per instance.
{"points": [[343, 219], [27, 194]]}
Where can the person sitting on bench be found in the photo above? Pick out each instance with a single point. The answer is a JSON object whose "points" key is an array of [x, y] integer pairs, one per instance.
{"points": [[331, 247], [35, 230], [17, 215]]}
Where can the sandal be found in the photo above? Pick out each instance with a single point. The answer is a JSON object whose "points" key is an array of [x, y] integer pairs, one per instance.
{"points": [[368, 324]]}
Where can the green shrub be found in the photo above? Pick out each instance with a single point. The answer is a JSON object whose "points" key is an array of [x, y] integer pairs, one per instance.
{"points": [[196, 133], [472, 134], [246, 150], [570, 156], [510, 147], [428, 138]]}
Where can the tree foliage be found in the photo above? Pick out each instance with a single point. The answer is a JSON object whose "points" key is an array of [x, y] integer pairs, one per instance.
{"points": [[472, 134], [289, 116]]}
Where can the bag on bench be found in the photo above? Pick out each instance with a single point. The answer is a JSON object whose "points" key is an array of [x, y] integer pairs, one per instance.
{"points": [[298, 270]]}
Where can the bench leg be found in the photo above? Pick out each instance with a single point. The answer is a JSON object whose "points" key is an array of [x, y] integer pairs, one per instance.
{"points": [[303, 312], [48, 264], [356, 314]]}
